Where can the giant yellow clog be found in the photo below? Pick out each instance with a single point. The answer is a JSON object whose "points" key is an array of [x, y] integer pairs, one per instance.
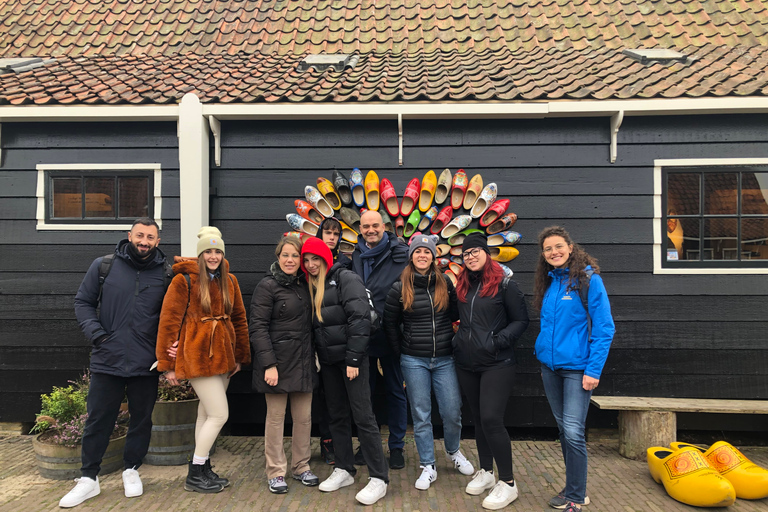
{"points": [[503, 254], [474, 189], [371, 186], [749, 479], [428, 185], [689, 478], [329, 193]]}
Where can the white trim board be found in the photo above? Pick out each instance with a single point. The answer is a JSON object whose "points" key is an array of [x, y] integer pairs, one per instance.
{"points": [[658, 214], [41, 180]]}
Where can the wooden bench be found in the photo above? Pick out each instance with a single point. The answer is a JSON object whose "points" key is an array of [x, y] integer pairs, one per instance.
{"points": [[648, 421]]}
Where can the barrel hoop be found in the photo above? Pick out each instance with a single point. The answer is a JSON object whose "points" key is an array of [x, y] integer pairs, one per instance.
{"points": [[167, 428], [171, 449]]}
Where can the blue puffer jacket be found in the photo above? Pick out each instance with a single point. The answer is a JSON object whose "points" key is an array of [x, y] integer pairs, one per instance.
{"points": [[124, 331], [564, 341]]}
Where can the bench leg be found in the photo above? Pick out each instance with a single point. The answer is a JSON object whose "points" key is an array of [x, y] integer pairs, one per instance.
{"points": [[639, 430]]}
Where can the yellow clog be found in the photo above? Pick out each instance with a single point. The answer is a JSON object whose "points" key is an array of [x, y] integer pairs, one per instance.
{"points": [[347, 233], [749, 479], [443, 186], [503, 254], [689, 478], [329, 192], [428, 185], [473, 191], [371, 186]]}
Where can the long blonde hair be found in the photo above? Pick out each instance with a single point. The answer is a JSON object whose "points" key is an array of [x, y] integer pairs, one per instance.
{"points": [[317, 289], [204, 281]]}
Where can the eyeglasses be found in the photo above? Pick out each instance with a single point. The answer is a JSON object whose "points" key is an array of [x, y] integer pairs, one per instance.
{"points": [[472, 253], [558, 247]]}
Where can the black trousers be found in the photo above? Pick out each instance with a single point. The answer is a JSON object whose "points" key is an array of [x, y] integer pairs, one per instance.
{"points": [[347, 398], [487, 394], [105, 395]]}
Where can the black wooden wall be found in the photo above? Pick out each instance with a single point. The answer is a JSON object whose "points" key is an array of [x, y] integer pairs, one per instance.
{"points": [[41, 344]]}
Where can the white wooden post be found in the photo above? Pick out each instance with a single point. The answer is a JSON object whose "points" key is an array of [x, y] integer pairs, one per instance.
{"points": [[193, 172]]}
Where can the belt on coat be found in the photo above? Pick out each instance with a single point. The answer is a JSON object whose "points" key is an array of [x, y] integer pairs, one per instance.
{"points": [[215, 320]]}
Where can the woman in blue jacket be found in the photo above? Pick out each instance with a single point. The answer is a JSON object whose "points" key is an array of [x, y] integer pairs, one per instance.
{"points": [[576, 334]]}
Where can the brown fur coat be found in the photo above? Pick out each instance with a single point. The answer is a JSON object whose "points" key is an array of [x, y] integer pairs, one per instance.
{"points": [[200, 354]]}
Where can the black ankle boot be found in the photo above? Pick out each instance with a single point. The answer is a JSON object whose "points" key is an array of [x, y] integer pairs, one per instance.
{"points": [[198, 481], [208, 470]]}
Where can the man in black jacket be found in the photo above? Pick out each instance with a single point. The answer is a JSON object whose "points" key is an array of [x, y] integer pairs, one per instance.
{"points": [[120, 318], [379, 259]]}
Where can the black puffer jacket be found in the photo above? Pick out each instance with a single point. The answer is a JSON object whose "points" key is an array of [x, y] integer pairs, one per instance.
{"points": [[489, 327], [281, 333], [422, 332], [343, 334]]}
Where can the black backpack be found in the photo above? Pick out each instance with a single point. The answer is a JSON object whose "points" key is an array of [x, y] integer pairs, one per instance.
{"points": [[375, 318], [106, 265]]}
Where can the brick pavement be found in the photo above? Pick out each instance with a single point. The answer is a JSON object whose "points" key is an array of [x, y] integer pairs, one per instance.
{"points": [[615, 483]]}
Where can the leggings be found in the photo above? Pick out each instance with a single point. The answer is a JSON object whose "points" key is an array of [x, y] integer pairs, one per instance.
{"points": [[487, 394], [212, 413]]}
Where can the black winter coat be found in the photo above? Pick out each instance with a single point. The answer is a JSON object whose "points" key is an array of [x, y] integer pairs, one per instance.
{"points": [[124, 331], [387, 268], [423, 331], [489, 328], [343, 334], [280, 329]]}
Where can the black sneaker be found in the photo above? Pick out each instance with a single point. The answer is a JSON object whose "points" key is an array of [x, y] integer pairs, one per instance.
{"points": [[396, 459], [359, 457], [572, 507], [326, 451], [560, 502]]}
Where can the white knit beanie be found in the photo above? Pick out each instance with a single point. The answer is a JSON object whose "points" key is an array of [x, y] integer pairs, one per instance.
{"points": [[209, 238]]}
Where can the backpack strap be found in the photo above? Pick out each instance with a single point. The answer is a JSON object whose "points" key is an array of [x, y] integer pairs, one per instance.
{"points": [[189, 296], [584, 295], [167, 273], [104, 268]]}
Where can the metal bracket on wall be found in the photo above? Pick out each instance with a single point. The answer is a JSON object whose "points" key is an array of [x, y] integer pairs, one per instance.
{"points": [[1, 144], [400, 138], [215, 125], [616, 120]]}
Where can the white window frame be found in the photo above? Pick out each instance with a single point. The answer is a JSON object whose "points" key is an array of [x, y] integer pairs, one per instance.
{"points": [[42, 176], [658, 231]]}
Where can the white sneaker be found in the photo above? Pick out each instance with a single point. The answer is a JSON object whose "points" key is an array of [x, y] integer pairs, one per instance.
{"points": [[500, 496], [132, 483], [428, 475], [482, 481], [86, 488], [338, 479], [461, 463], [373, 492]]}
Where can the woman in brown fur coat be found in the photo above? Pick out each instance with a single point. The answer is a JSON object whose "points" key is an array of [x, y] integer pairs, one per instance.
{"points": [[209, 321]]}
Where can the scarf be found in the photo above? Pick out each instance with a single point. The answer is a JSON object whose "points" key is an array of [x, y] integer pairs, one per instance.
{"points": [[139, 261], [280, 276], [368, 255]]}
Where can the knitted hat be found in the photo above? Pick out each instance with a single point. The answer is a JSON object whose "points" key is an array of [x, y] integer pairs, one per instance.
{"points": [[209, 238], [475, 240], [422, 241], [318, 248]]}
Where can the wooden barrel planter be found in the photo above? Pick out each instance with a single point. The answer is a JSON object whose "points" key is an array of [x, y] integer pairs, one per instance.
{"points": [[173, 433], [63, 463]]}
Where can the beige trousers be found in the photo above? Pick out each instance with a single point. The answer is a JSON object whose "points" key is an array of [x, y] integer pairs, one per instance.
{"points": [[301, 413], [212, 412]]}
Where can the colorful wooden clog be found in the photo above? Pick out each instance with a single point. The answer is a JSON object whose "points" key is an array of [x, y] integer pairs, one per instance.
{"points": [[497, 209], [412, 223], [356, 186], [341, 184], [689, 478], [749, 480], [458, 238], [508, 272], [298, 234], [503, 254], [428, 185], [329, 193], [299, 223], [450, 275], [504, 238], [399, 226], [316, 199], [443, 186], [386, 220], [410, 197], [346, 247], [458, 224], [474, 189], [351, 217], [371, 185], [347, 233], [503, 223], [389, 197], [486, 199], [455, 251], [427, 219], [442, 262], [442, 220], [458, 189], [443, 249], [456, 268], [307, 211]]}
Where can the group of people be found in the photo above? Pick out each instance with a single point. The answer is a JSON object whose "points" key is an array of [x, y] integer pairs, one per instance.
{"points": [[311, 330]]}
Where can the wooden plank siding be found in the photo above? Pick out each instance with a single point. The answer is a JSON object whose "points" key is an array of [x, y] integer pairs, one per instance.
{"points": [[680, 336], [41, 344]]}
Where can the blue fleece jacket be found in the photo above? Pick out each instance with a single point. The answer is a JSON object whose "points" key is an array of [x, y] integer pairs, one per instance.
{"points": [[564, 341]]}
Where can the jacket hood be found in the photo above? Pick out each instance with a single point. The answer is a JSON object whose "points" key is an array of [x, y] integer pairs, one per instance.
{"points": [[559, 273], [318, 248], [121, 249], [190, 266]]}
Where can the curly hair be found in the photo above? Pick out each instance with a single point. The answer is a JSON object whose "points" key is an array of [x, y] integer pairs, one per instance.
{"points": [[576, 265]]}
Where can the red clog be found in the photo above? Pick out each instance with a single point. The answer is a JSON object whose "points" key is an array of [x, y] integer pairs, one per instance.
{"points": [[410, 197], [503, 223], [460, 182], [400, 225], [389, 198], [442, 220], [497, 209], [308, 212]]}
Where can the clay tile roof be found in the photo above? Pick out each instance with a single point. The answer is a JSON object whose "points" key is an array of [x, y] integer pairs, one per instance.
{"points": [[154, 51]]}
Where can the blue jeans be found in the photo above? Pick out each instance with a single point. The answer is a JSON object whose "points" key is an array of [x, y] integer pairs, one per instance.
{"points": [[570, 403], [422, 375], [397, 408]]}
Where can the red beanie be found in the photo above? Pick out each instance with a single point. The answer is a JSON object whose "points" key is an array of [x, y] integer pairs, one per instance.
{"points": [[318, 248]]}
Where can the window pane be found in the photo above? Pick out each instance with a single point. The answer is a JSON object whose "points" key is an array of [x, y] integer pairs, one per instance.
{"points": [[133, 197], [754, 236], [754, 192], [98, 197], [683, 240], [720, 193], [67, 197], [683, 194], [720, 239]]}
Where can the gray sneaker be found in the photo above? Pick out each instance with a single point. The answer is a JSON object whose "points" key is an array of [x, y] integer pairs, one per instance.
{"points": [[307, 478], [560, 502], [277, 485]]}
